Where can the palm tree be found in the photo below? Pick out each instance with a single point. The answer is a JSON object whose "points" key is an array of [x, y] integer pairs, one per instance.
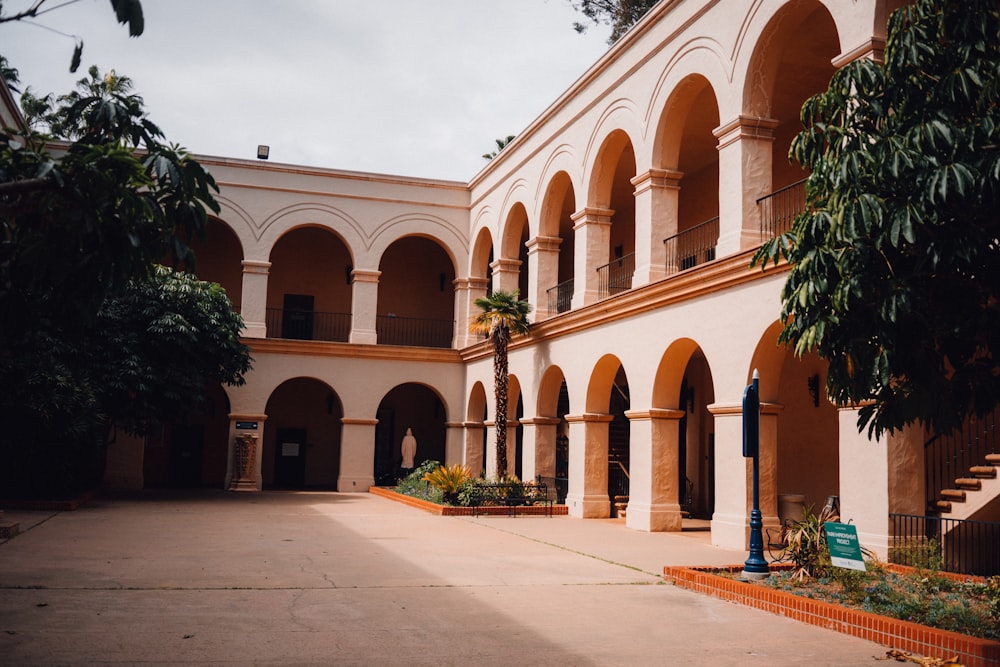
{"points": [[503, 314]]}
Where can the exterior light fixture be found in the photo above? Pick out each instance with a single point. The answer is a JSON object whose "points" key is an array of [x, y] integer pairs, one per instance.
{"points": [[263, 152]]}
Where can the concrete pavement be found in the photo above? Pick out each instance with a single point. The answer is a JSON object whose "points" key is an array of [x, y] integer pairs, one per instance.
{"points": [[353, 579]]}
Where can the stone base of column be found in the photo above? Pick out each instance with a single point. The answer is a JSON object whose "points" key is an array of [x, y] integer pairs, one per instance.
{"points": [[354, 484], [665, 517], [730, 531], [243, 485], [588, 507]]}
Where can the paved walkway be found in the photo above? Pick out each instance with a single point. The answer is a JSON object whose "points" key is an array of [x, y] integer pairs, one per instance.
{"points": [[353, 579]]}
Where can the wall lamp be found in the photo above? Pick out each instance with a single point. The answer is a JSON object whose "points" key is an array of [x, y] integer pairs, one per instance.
{"points": [[263, 152]]}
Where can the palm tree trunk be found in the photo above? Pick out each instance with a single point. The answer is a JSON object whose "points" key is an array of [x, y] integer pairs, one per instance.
{"points": [[500, 377]]}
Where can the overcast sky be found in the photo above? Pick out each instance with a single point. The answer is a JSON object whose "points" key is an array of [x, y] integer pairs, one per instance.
{"points": [[409, 87]]}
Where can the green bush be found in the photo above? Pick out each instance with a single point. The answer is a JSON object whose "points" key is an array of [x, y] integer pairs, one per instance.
{"points": [[414, 485]]}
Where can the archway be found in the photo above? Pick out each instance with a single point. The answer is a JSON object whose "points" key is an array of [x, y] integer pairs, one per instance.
{"points": [[416, 294], [408, 406], [302, 436]]}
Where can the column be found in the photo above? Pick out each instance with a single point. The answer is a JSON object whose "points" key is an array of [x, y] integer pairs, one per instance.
{"points": [[539, 455], [656, 197], [768, 467], [466, 292], [253, 306], [357, 455], [730, 522], [745, 146], [654, 481], [454, 441], [879, 477], [474, 432], [543, 273], [587, 497], [506, 273], [246, 447], [364, 296], [593, 236]]}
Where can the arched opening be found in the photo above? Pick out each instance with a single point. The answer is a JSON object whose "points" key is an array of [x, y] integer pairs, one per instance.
{"points": [[475, 432], [513, 266], [557, 222], [302, 436], [613, 190], [696, 440], [219, 259], [416, 294], [408, 406], [309, 287], [552, 436]]}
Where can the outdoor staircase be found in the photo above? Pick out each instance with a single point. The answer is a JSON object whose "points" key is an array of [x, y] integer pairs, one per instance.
{"points": [[971, 493]]}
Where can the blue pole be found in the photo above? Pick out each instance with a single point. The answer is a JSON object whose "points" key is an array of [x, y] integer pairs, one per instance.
{"points": [[755, 566]]}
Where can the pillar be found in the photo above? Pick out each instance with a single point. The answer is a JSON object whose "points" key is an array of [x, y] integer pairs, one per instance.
{"points": [[466, 293], [745, 146], [357, 454], [587, 496], [543, 273], [454, 441], [474, 433], [364, 307], [656, 197], [654, 457], [253, 305], [593, 236], [539, 455], [241, 425], [732, 478]]}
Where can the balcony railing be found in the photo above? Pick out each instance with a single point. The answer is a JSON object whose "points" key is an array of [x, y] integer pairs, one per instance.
{"points": [[560, 297], [414, 331], [692, 247], [308, 325], [949, 457], [778, 209], [616, 276], [965, 547]]}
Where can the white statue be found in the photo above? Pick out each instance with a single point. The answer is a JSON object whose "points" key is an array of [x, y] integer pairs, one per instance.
{"points": [[409, 449]]}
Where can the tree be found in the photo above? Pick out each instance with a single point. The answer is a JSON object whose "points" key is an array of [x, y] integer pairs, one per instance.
{"points": [[82, 223], [619, 14], [126, 11], [502, 316], [501, 144], [895, 268]]}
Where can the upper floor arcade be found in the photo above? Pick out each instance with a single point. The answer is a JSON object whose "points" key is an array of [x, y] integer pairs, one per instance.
{"points": [[669, 153]]}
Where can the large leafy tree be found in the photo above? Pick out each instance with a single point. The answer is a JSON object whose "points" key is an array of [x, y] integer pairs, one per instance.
{"points": [[895, 268], [503, 315], [619, 14], [83, 222]]}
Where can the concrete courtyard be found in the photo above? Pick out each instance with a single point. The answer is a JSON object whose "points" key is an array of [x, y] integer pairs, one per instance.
{"points": [[282, 578]]}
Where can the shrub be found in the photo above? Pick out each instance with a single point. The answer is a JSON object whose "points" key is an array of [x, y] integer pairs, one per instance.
{"points": [[415, 486], [449, 480]]}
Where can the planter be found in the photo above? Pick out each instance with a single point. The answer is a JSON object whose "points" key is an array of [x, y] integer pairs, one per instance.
{"points": [[450, 510], [903, 635]]}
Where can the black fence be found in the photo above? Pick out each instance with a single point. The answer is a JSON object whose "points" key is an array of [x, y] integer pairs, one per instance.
{"points": [[952, 545], [951, 456], [308, 325], [692, 246], [415, 331], [560, 297], [779, 209], [615, 277]]}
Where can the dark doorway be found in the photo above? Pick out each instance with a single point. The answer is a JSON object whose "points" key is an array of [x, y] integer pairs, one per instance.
{"points": [[187, 442], [297, 317], [386, 462], [290, 458]]}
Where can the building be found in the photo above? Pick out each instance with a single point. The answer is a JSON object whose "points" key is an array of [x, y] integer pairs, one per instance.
{"points": [[626, 214]]}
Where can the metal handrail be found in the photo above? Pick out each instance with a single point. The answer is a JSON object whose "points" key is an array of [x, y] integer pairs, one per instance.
{"points": [[295, 324], [957, 545], [692, 247], [950, 456], [615, 276], [778, 209], [560, 297], [413, 331]]}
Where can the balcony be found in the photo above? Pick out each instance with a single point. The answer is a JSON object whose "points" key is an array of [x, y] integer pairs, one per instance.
{"points": [[692, 247], [414, 331], [560, 297], [779, 209], [616, 276], [297, 324]]}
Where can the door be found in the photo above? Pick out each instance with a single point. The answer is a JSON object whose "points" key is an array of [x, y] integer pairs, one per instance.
{"points": [[290, 458]]}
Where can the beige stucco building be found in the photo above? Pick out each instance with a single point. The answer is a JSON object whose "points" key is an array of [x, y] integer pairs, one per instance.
{"points": [[626, 214]]}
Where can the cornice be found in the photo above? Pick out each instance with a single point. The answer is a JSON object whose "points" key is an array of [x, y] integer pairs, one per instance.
{"points": [[352, 350]]}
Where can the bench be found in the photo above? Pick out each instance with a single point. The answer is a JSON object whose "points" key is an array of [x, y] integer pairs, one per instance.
{"points": [[510, 495]]}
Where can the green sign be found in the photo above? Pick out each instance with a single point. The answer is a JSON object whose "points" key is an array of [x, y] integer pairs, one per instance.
{"points": [[845, 550]]}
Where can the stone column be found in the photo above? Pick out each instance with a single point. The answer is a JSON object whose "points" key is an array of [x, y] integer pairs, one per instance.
{"points": [[454, 440], [506, 274], [587, 495], [768, 468], [466, 292], [654, 458], [593, 236], [364, 295], [730, 522], [474, 447], [656, 197], [543, 273], [244, 474], [253, 305], [539, 456], [357, 455], [490, 465], [745, 146], [879, 477]]}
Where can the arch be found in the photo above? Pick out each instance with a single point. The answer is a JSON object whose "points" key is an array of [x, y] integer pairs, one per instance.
{"points": [[442, 232], [415, 406], [475, 432], [482, 255], [514, 250], [286, 219], [302, 435], [616, 146], [416, 294], [599, 387], [219, 258]]}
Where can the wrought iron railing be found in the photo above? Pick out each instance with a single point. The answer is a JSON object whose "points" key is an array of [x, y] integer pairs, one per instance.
{"points": [[618, 479], [413, 331], [308, 325], [616, 276], [950, 457], [692, 246], [560, 296], [779, 208], [965, 547]]}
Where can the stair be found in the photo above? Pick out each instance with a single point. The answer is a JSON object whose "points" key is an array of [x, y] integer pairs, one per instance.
{"points": [[965, 485]]}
